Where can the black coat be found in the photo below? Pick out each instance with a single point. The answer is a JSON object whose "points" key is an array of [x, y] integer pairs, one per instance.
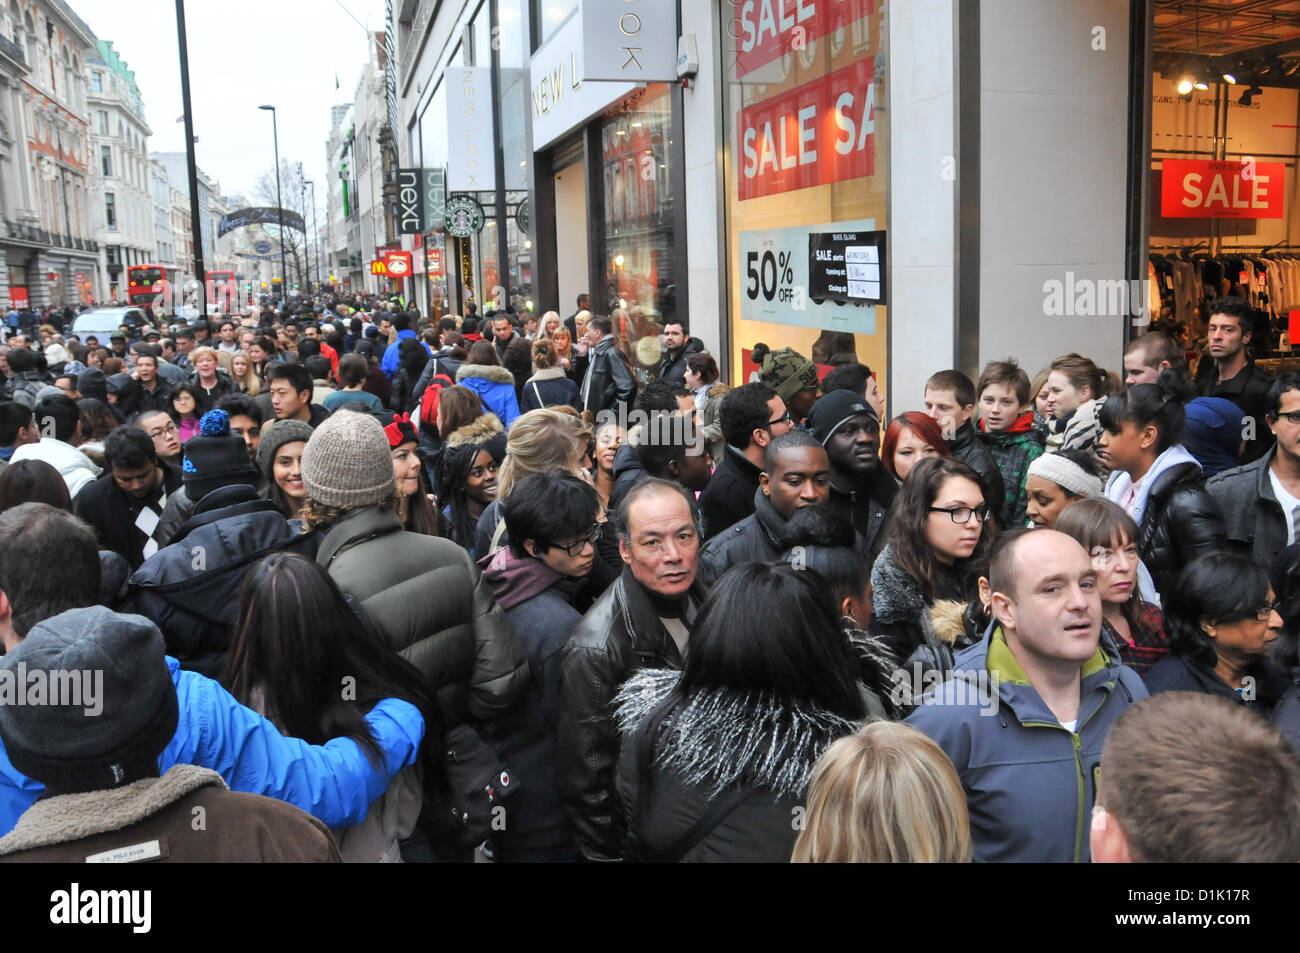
{"points": [[112, 514], [195, 605], [1252, 517], [868, 506], [729, 496], [972, 451], [207, 399], [1181, 522], [1249, 391], [755, 539], [620, 634], [548, 388], [672, 366], [610, 379], [1181, 673], [722, 741], [140, 399]]}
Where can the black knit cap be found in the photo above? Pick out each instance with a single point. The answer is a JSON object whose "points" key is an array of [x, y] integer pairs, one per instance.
{"points": [[112, 731], [214, 459], [835, 409]]}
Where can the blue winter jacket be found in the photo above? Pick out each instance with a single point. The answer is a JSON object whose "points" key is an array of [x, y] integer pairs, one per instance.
{"points": [[334, 782], [1030, 782], [495, 386], [389, 364]]}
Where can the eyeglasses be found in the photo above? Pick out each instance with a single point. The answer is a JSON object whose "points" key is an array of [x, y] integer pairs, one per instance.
{"points": [[163, 431], [579, 544], [783, 419], [962, 514], [1292, 417], [1263, 612]]}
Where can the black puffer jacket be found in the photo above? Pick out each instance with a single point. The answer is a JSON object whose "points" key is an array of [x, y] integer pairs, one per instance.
{"points": [[729, 496], [714, 743], [190, 589], [431, 605], [1181, 521], [620, 634], [755, 539]]}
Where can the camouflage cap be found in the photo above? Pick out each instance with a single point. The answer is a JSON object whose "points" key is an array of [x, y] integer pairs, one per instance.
{"points": [[786, 371]]}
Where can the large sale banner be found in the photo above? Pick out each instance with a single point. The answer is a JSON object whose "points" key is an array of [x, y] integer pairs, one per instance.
{"points": [[767, 29], [1200, 188], [822, 132]]}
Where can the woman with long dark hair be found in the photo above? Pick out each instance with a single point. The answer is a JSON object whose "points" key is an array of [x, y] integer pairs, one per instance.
{"points": [[467, 478], [411, 358], [1157, 482], [715, 759], [1110, 536], [415, 510], [308, 662], [937, 545], [1222, 617]]}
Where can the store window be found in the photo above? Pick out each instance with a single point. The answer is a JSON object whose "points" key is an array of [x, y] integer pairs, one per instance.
{"points": [[639, 255], [550, 16], [438, 246], [805, 170]]}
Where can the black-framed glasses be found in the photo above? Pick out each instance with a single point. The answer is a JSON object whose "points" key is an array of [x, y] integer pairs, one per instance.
{"points": [[1263, 612], [579, 544], [962, 514], [783, 419], [161, 431], [1292, 417]]}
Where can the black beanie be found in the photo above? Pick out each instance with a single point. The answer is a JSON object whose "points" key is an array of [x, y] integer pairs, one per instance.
{"points": [[214, 459], [834, 409], [92, 383], [109, 705]]}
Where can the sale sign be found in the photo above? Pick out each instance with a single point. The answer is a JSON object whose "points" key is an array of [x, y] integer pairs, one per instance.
{"points": [[767, 29], [1199, 188], [435, 262], [822, 132]]}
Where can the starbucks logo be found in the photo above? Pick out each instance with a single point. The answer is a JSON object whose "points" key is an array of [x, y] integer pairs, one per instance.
{"points": [[463, 216]]}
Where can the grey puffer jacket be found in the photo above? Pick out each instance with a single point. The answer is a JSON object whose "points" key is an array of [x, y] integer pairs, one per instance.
{"points": [[715, 742], [430, 604]]}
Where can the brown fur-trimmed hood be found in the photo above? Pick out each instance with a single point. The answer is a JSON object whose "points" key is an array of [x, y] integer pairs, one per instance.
{"points": [[488, 372], [718, 390], [946, 621], [479, 431]]}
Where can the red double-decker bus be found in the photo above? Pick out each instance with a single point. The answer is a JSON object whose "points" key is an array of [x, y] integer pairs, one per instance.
{"points": [[144, 283], [221, 289]]}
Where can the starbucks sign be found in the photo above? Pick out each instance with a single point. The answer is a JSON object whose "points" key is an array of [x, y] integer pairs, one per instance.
{"points": [[463, 216]]}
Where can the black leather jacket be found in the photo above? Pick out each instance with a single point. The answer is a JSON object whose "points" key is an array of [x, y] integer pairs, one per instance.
{"points": [[612, 382], [1181, 522], [620, 634]]}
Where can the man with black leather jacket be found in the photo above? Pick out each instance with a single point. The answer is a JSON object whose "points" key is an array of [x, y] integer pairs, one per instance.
{"points": [[608, 381], [642, 621]]}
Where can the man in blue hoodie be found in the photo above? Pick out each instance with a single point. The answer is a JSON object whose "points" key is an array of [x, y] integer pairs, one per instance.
{"points": [[1027, 710], [49, 564], [552, 523], [402, 324]]}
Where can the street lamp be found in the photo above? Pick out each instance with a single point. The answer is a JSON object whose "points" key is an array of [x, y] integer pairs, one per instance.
{"points": [[315, 230], [284, 269]]}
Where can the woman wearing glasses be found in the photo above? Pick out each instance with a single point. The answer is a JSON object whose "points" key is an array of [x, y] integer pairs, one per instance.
{"points": [[1157, 482], [1219, 635], [936, 546], [1135, 626]]}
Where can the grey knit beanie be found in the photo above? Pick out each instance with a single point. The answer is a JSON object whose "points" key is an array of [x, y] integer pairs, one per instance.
{"points": [[347, 461], [275, 434]]}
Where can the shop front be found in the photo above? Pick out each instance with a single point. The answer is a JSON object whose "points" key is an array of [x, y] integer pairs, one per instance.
{"points": [[806, 180]]}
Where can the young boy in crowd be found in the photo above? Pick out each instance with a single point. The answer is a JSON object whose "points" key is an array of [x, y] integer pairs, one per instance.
{"points": [[1007, 430]]}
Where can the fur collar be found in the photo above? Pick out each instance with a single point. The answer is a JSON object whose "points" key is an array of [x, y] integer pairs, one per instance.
{"points": [[718, 390], [895, 595], [481, 430], [71, 817], [721, 738], [488, 372], [947, 621], [547, 374]]}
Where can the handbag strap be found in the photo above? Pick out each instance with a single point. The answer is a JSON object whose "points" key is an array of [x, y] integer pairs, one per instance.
{"points": [[538, 395], [497, 533]]}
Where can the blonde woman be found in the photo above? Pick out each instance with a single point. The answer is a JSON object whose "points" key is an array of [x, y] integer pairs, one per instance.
{"points": [[886, 794], [538, 441], [242, 373], [549, 325]]}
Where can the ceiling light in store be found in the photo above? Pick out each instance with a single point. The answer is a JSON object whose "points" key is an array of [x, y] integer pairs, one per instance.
{"points": [[1185, 85], [1229, 78], [636, 125], [618, 260], [622, 302], [528, 243], [620, 132], [1201, 84], [523, 163]]}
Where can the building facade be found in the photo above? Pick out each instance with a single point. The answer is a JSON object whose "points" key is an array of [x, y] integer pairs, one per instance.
{"points": [[160, 192], [121, 193], [48, 245]]}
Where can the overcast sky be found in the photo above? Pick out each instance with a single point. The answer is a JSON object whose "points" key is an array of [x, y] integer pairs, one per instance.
{"points": [[243, 53]]}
